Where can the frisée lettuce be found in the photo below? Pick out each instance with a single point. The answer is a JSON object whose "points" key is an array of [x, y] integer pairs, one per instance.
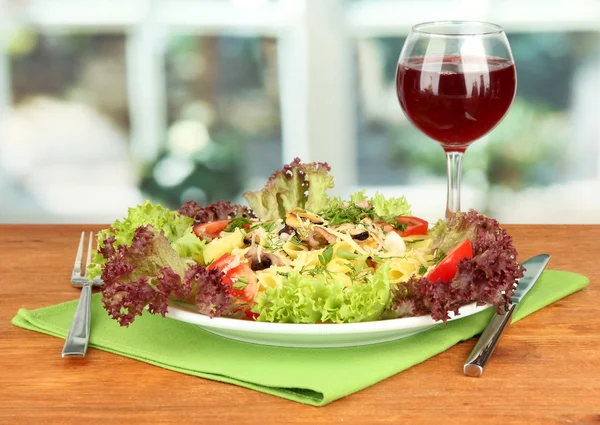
{"points": [[308, 299], [386, 209]]}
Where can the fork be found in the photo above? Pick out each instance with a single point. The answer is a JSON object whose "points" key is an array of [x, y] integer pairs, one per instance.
{"points": [[79, 333]]}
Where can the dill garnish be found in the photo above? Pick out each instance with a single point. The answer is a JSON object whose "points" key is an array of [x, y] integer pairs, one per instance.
{"points": [[236, 223], [338, 214]]}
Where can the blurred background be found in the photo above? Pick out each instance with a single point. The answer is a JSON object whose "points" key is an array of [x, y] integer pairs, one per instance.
{"points": [[105, 103]]}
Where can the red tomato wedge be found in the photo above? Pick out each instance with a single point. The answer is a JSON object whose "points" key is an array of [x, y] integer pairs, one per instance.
{"points": [[414, 226], [446, 269], [212, 229], [225, 263], [233, 268], [250, 315]]}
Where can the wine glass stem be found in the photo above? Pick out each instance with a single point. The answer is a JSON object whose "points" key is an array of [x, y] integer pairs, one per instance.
{"points": [[454, 168]]}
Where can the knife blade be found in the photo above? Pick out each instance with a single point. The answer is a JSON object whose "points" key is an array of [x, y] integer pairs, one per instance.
{"points": [[489, 338]]}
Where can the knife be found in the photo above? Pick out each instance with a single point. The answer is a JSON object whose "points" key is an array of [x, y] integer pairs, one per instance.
{"points": [[489, 339]]}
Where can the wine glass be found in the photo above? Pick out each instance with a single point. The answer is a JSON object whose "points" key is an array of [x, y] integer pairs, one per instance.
{"points": [[455, 82]]}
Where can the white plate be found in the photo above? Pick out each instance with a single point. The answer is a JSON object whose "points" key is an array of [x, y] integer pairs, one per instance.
{"points": [[312, 335]]}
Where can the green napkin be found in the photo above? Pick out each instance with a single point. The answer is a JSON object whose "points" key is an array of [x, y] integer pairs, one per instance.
{"points": [[306, 375]]}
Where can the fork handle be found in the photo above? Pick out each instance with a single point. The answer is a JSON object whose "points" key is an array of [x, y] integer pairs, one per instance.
{"points": [[79, 333]]}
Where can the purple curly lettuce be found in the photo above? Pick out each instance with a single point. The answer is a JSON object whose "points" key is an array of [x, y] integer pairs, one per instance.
{"points": [[220, 210], [211, 297], [149, 273], [296, 185], [489, 277]]}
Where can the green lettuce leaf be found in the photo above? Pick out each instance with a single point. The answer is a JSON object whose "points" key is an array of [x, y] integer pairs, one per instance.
{"points": [[384, 208], [308, 299], [173, 225], [357, 197], [389, 208], [296, 185], [189, 245], [449, 234]]}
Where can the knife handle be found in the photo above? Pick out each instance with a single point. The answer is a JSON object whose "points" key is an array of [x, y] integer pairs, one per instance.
{"points": [[487, 342]]}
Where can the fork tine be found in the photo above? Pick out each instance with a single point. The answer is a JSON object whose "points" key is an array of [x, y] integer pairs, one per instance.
{"points": [[88, 260], [78, 257]]}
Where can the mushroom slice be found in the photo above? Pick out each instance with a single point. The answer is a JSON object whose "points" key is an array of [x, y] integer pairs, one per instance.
{"points": [[295, 218], [319, 237], [262, 261], [359, 234], [286, 232]]}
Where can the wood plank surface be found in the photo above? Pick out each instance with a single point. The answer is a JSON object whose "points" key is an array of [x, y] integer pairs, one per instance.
{"points": [[546, 369]]}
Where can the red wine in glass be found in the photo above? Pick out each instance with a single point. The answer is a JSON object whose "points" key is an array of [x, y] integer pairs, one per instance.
{"points": [[455, 82], [456, 100]]}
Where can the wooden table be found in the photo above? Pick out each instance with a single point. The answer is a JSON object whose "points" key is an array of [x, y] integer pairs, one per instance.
{"points": [[546, 369]]}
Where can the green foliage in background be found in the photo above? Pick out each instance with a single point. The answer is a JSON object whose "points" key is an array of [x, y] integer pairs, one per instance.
{"points": [[217, 174], [525, 149]]}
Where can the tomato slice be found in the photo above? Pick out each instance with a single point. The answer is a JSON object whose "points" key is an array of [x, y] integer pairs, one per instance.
{"points": [[414, 225], [249, 314], [446, 269], [249, 291], [212, 229], [225, 262], [233, 267]]}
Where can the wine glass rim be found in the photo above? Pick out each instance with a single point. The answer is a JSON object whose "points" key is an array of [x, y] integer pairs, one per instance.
{"points": [[493, 29]]}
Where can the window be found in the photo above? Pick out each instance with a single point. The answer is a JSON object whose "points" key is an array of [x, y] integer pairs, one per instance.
{"points": [[223, 124], [106, 102], [66, 141]]}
